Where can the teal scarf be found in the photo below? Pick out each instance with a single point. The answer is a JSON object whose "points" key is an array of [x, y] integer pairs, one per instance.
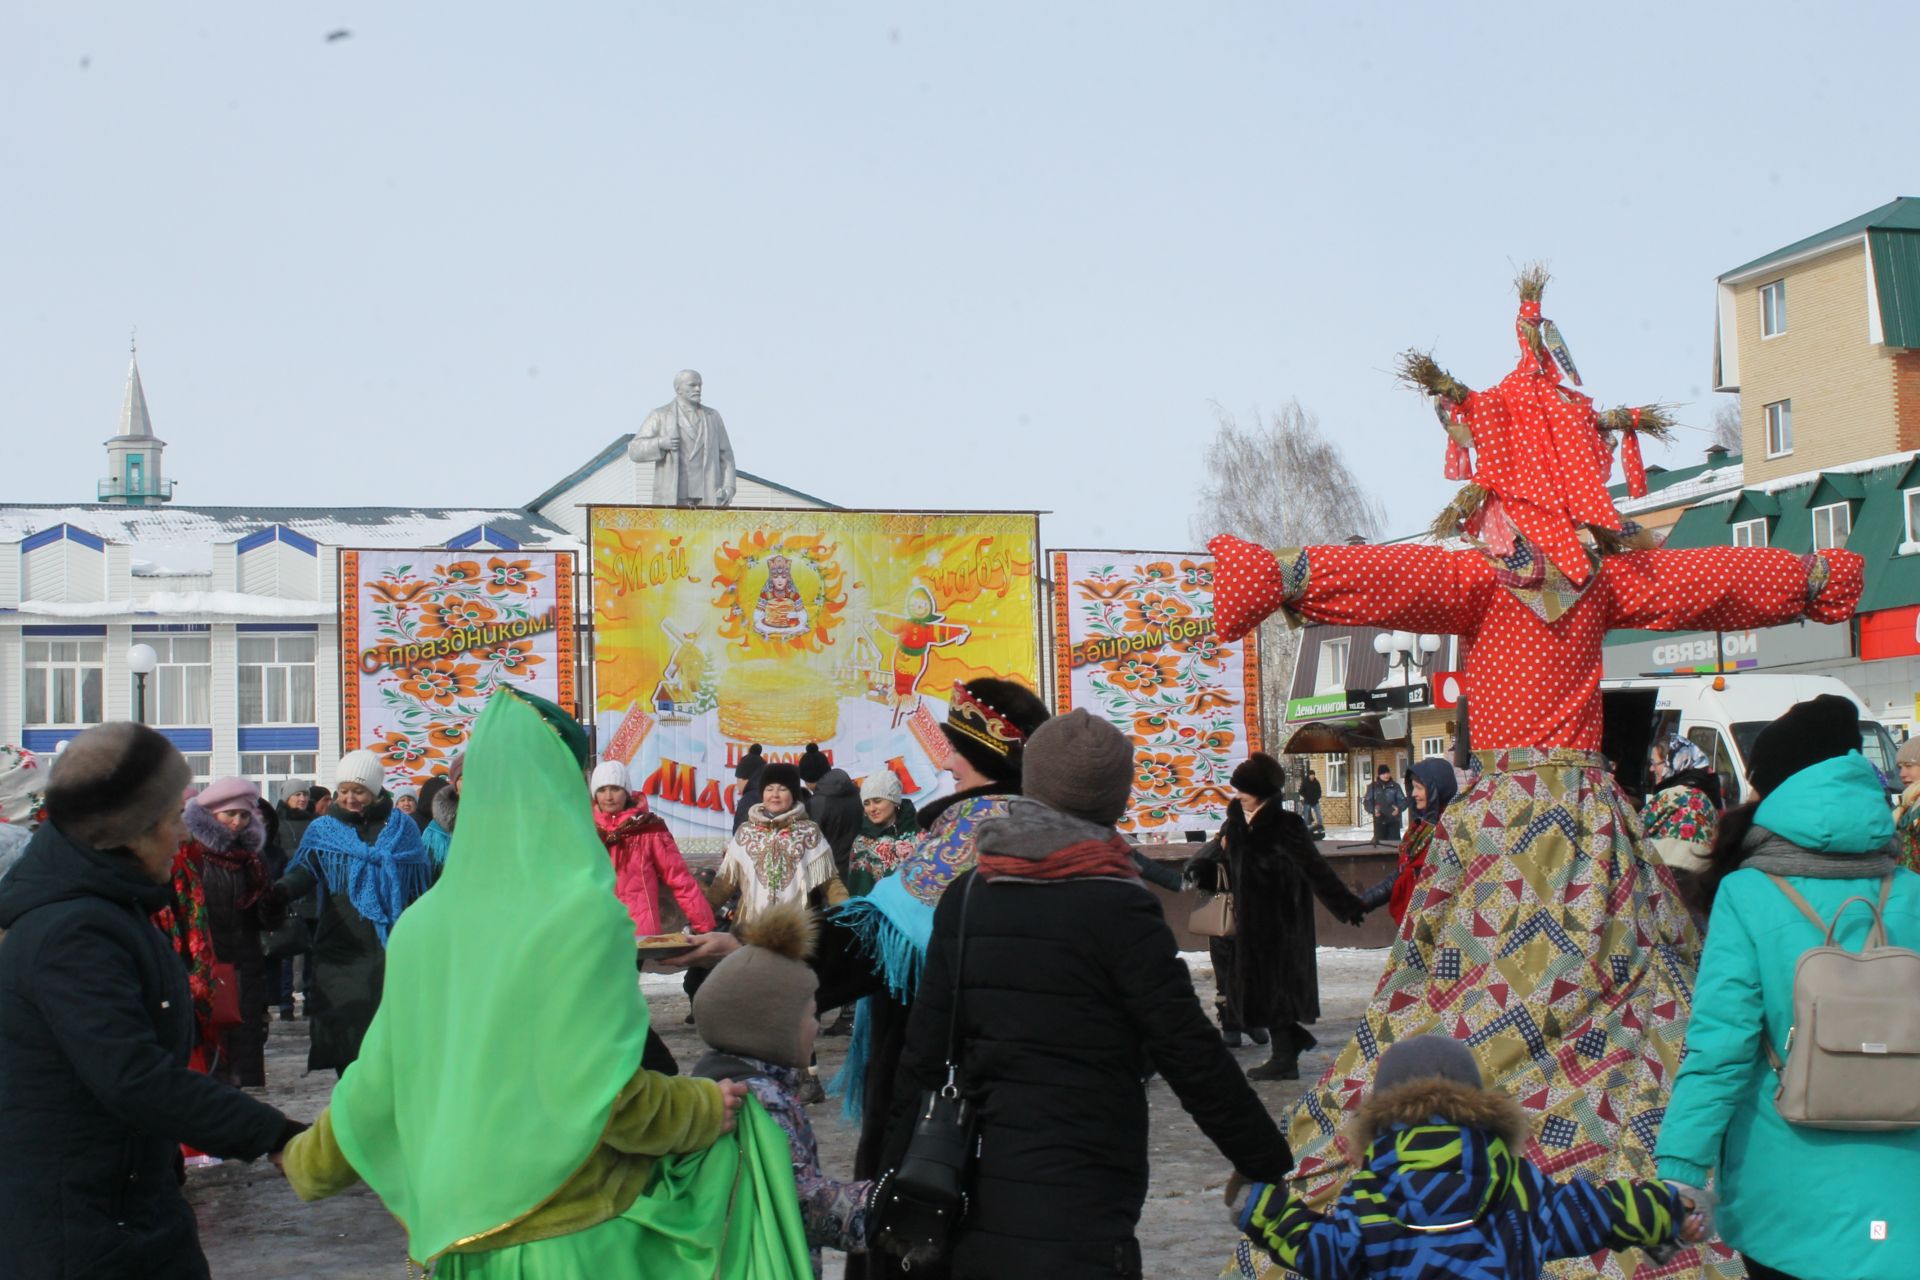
{"points": [[380, 880], [895, 921]]}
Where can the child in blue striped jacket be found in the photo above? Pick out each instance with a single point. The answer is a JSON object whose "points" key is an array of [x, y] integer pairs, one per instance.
{"points": [[1445, 1192]]}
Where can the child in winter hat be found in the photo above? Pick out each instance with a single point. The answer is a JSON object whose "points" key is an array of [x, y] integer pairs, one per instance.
{"points": [[1443, 1188], [756, 1012]]}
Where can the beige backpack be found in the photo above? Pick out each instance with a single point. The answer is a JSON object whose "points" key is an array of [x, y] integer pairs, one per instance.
{"points": [[1853, 1052]]}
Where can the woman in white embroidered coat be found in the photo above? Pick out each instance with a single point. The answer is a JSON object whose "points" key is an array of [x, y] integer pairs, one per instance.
{"points": [[779, 855]]}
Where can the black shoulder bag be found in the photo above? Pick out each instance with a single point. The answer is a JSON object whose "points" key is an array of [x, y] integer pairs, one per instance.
{"points": [[917, 1204]]}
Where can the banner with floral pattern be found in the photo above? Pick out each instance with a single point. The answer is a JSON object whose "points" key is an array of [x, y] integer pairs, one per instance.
{"points": [[1134, 644], [427, 636]]}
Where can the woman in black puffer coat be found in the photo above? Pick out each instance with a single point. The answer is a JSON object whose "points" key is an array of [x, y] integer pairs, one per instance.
{"points": [[1071, 989], [1266, 973]]}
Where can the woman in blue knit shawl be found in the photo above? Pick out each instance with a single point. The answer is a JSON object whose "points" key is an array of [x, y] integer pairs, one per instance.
{"points": [[368, 863]]}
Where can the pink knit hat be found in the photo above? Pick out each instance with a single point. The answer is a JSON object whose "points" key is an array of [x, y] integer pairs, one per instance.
{"points": [[228, 793]]}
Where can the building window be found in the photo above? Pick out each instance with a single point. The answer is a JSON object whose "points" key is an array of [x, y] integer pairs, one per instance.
{"points": [[64, 682], [1432, 747], [1332, 674], [1773, 309], [1831, 525], [180, 690], [202, 766], [1779, 428], [276, 679], [1750, 533], [268, 768], [1336, 775], [1913, 515]]}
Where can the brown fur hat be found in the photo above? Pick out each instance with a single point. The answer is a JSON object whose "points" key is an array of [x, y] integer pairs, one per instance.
{"points": [[114, 782], [1419, 1101], [753, 1002]]}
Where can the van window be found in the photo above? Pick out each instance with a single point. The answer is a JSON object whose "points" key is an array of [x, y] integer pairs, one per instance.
{"points": [[1714, 743], [1876, 744]]}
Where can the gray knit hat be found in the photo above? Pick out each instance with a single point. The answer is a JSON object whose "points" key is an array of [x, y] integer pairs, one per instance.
{"points": [[114, 782], [753, 1001], [1424, 1057], [1080, 765]]}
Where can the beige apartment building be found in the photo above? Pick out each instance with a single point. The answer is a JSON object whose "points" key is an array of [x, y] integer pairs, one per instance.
{"points": [[1821, 340]]}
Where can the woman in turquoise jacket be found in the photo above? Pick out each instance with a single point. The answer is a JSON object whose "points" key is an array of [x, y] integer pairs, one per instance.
{"points": [[1808, 1204]]}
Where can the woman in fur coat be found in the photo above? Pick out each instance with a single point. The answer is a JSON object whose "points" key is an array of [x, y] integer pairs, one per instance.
{"points": [[226, 840], [1266, 971]]}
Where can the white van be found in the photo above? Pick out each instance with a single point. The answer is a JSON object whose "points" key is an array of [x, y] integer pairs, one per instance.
{"points": [[1723, 714]]}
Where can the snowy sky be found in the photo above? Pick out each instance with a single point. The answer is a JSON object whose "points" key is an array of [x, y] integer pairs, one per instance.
{"points": [[988, 255]]}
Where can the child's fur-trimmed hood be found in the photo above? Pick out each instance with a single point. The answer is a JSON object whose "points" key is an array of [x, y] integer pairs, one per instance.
{"points": [[1420, 1101]]}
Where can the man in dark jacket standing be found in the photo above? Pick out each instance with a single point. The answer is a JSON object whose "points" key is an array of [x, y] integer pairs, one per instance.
{"points": [[96, 1022], [1384, 802], [1310, 804], [1071, 989]]}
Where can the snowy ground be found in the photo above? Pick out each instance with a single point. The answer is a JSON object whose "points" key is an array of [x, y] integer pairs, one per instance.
{"points": [[253, 1227]]}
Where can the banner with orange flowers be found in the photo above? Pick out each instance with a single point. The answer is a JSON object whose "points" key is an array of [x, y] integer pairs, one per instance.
{"points": [[716, 629], [427, 636], [1134, 644]]}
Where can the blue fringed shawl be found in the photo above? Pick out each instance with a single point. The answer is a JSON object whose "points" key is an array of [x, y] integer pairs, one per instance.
{"points": [[380, 880], [894, 923]]}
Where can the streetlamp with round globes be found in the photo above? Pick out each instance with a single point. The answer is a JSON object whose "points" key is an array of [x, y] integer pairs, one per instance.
{"points": [[141, 660], [1407, 651]]}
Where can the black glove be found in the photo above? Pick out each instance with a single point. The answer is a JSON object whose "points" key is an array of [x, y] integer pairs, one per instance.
{"points": [[1377, 896]]}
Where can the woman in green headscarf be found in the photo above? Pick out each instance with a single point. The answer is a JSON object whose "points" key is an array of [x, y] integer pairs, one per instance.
{"points": [[498, 1106]]}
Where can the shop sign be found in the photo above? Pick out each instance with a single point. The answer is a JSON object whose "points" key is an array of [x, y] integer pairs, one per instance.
{"points": [[1709, 652], [1394, 698], [1317, 707]]}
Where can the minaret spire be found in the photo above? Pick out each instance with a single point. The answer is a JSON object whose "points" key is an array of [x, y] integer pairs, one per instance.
{"points": [[133, 454]]}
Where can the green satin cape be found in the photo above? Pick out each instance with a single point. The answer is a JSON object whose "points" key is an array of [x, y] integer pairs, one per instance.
{"points": [[730, 1211], [511, 1016]]}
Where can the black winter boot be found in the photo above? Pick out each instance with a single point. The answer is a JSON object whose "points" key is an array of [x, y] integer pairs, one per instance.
{"points": [[1288, 1044]]}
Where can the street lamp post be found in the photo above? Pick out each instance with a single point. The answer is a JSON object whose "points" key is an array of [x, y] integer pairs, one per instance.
{"points": [[1409, 652], [141, 660]]}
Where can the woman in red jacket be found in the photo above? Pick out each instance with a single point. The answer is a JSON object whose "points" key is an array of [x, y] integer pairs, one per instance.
{"points": [[644, 854]]}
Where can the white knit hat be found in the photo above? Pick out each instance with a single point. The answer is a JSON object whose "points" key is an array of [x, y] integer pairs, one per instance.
{"points": [[881, 784], [362, 767], [610, 773]]}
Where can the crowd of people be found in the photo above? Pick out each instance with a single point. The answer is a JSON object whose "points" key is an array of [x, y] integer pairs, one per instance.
{"points": [[1000, 941]]}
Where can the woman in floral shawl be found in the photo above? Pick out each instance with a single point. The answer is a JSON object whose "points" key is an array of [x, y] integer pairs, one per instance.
{"points": [[887, 830], [1677, 820], [1906, 810]]}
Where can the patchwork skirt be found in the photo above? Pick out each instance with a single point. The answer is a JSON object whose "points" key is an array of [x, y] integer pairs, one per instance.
{"points": [[1541, 936]]}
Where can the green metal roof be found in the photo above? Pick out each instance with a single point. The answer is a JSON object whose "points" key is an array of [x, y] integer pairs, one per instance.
{"points": [[1902, 214], [1879, 527]]}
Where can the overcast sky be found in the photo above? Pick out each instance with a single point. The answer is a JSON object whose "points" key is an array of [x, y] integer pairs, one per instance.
{"points": [[965, 255]]}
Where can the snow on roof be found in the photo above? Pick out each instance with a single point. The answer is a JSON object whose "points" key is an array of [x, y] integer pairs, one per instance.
{"points": [[180, 538], [1723, 479], [1781, 484], [198, 605]]}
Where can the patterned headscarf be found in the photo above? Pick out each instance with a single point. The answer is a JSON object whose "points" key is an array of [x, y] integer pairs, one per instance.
{"points": [[1684, 757], [23, 784]]}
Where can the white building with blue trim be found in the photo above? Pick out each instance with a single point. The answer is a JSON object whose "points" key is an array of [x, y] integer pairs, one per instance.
{"points": [[241, 604]]}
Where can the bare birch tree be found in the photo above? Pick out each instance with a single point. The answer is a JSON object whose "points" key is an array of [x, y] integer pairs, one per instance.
{"points": [[1726, 426], [1280, 482]]}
